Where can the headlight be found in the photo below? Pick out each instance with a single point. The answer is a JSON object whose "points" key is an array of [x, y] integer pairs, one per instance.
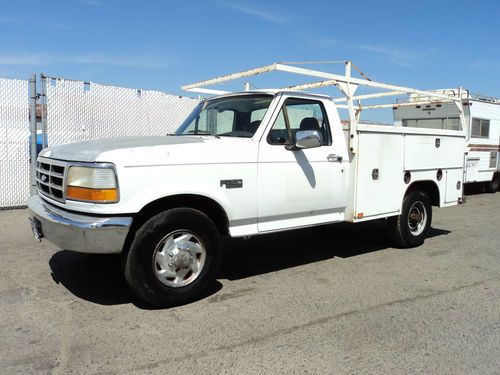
{"points": [[92, 184]]}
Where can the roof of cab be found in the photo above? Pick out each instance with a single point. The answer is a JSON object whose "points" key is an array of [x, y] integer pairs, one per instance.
{"points": [[272, 92]]}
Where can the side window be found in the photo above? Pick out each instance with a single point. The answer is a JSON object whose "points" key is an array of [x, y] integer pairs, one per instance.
{"points": [[450, 123], [480, 128], [299, 114], [279, 133]]}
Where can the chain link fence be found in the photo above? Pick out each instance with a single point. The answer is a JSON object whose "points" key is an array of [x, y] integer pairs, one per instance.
{"points": [[85, 110], [14, 143], [69, 111]]}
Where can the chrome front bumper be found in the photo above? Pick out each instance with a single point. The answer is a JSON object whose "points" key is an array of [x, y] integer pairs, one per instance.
{"points": [[82, 233]]}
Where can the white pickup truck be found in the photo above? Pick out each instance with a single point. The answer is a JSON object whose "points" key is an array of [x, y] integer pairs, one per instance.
{"points": [[242, 164]]}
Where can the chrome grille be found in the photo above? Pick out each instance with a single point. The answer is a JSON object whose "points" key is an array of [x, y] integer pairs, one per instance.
{"points": [[50, 176]]}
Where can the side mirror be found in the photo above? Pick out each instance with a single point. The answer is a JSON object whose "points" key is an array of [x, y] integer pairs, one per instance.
{"points": [[307, 139]]}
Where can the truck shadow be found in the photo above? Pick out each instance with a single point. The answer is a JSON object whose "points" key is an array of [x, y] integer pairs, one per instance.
{"points": [[273, 252], [99, 279], [475, 189]]}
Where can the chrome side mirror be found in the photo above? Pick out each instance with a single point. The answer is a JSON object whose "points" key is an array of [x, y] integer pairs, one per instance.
{"points": [[307, 139]]}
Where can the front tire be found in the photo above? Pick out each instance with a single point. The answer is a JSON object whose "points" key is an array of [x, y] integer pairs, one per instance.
{"points": [[173, 258], [411, 227]]}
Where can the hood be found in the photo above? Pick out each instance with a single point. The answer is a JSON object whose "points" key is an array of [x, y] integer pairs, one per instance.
{"points": [[158, 150], [89, 151]]}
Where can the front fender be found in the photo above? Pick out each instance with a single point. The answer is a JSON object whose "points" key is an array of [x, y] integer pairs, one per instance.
{"points": [[239, 202]]}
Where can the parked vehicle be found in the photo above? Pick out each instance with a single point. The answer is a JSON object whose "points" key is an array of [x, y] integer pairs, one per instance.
{"points": [[482, 127], [241, 164]]}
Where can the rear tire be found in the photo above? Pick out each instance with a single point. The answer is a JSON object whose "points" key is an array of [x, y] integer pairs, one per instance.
{"points": [[173, 258], [411, 227], [494, 184]]}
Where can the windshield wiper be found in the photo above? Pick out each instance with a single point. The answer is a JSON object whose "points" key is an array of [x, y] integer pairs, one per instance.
{"points": [[200, 132]]}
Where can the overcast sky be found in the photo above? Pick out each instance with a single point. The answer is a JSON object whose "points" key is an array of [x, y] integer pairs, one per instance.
{"points": [[163, 44]]}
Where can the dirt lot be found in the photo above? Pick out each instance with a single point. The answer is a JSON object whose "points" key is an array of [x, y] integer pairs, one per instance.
{"points": [[327, 300]]}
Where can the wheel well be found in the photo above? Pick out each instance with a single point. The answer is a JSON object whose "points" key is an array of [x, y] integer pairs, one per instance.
{"points": [[201, 203], [428, 186]]}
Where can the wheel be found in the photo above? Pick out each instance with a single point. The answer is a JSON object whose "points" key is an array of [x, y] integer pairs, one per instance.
{"points": [[411, 227], [173, 258], [493, 185]]}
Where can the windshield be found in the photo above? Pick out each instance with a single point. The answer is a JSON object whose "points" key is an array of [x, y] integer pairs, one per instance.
{"points": [[234, 116]]}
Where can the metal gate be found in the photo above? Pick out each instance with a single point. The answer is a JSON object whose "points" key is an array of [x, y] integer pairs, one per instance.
{"points": [[65, 111]]}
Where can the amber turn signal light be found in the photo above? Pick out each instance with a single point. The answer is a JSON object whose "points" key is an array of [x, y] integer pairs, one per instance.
{"points": [[92, 195]]}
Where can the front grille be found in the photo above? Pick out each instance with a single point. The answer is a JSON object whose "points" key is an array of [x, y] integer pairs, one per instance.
{"points": [[50, 175]]}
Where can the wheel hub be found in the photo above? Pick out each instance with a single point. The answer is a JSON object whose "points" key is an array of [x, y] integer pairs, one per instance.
{"points": [[179, 258], [417, 218], [182, 259]]}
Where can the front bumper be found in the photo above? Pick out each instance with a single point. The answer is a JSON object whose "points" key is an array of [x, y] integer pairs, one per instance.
{"points": [[77, 232]]}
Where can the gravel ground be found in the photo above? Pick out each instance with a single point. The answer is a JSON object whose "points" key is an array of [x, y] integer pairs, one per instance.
{"points": [[326, 300]]}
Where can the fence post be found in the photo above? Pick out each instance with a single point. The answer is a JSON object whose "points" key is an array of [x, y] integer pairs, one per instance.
{"points": [[33, 132], [43, 104]]}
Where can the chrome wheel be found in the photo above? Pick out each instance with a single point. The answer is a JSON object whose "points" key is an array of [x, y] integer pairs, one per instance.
{"points": [[179, 258], [417, 218]]}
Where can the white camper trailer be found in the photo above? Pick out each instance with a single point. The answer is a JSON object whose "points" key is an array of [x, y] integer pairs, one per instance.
{"points": [[482, 118]]}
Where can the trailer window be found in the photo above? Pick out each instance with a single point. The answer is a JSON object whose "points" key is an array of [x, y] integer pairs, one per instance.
{"points": [[299, 114], [448, 123], [480, 128]]}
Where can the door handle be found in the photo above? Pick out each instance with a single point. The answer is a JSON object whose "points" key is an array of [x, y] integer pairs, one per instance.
{"points": [[334, 158]]}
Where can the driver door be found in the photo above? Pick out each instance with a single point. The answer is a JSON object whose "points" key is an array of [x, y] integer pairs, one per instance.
{"points": [[299, 187]]}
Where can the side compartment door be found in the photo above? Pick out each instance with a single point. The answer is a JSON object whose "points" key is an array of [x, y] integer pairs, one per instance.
{"points": [[299, 187]]}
